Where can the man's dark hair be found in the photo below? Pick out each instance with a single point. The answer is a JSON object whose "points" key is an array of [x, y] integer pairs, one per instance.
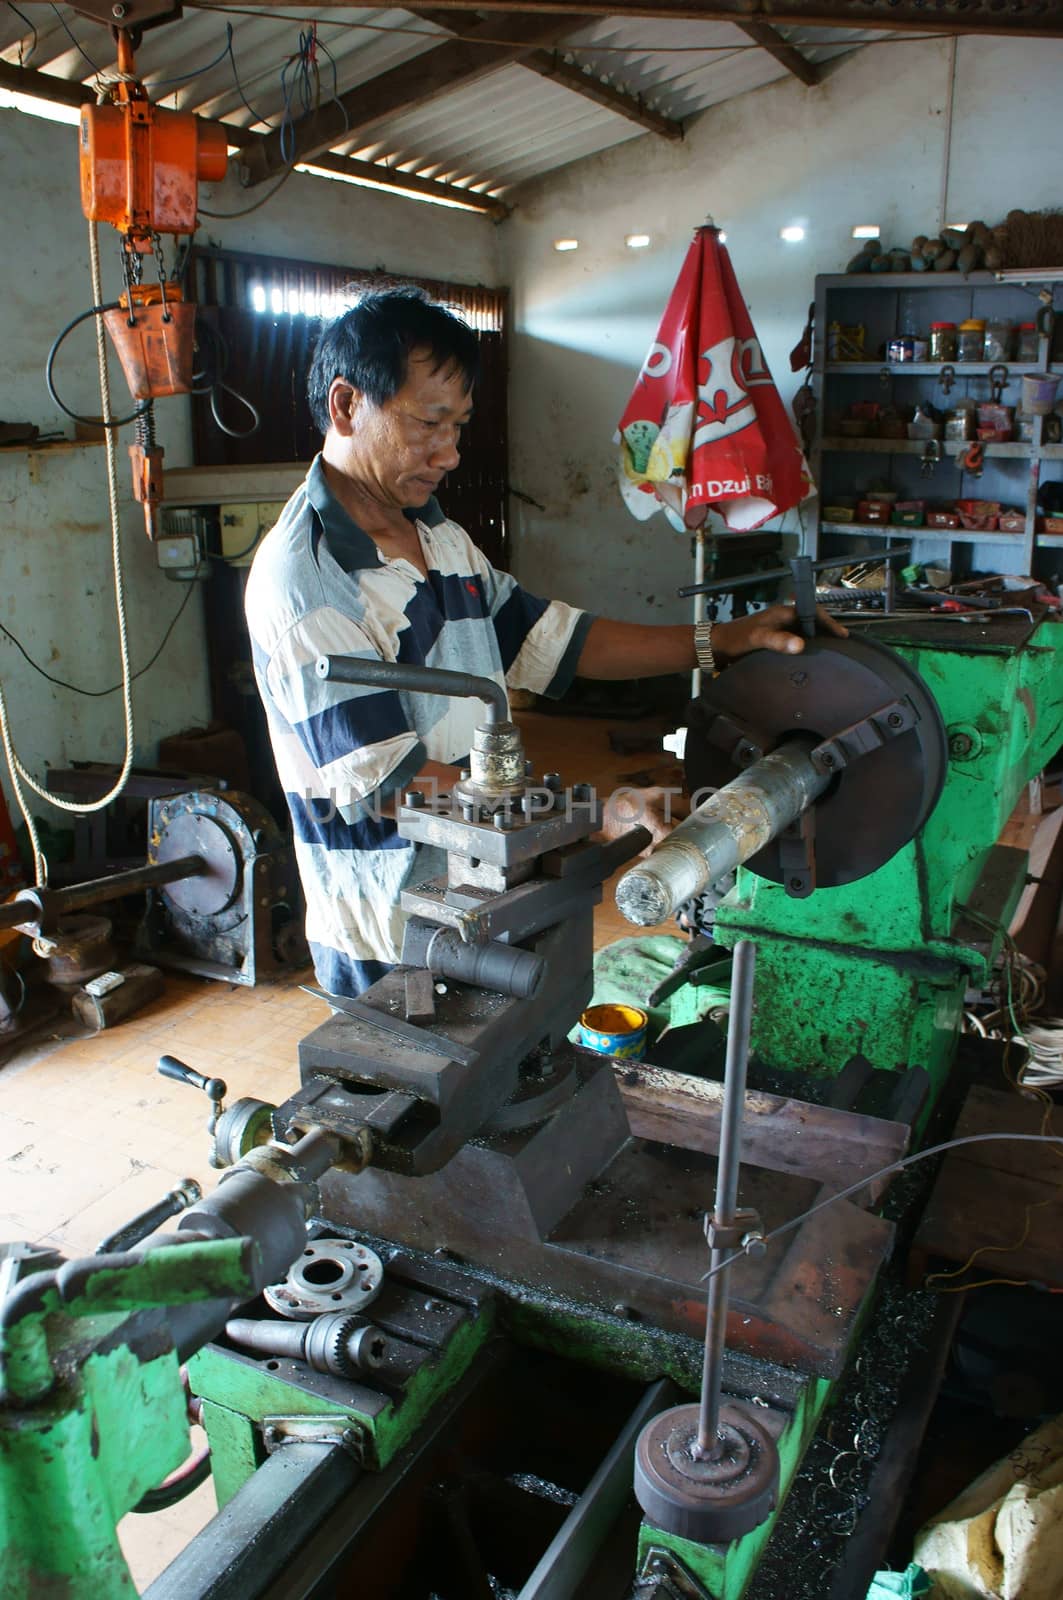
{"points": [[370, 347]]}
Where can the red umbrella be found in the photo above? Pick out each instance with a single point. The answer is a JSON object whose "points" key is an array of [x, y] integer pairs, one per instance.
{"points": [[705, 428]]}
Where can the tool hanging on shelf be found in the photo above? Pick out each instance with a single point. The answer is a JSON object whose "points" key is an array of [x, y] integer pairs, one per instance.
{"points": [[141, 167], [973, 459]]}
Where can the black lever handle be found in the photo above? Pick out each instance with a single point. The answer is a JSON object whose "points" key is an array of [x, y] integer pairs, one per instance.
{"points": [[804, 595], [417, 680], [170, 1067]]}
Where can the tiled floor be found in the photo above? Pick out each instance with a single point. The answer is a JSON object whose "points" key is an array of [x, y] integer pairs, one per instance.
{"points": [[90, 1134]]}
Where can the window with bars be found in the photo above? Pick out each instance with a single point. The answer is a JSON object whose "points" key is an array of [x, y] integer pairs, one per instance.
{"points": [[267, 314]]}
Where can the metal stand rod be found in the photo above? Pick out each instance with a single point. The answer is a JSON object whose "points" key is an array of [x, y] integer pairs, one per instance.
{"points": [[708, 1444], [700, 606], [45, 905], [746, 579]]}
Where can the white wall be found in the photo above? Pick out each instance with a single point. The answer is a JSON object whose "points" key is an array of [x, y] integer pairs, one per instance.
{"points": [[867, 145], [55, 589]]}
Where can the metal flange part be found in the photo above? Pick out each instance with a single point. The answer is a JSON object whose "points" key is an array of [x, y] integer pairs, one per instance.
{"points": [[712, 1501], [330, 1275]]}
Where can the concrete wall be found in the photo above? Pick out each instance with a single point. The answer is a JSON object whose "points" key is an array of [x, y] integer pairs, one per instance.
{"points": [[867, 145], [55, 586]]}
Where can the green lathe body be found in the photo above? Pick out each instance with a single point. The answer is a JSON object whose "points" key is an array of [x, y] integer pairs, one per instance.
{"points": [[879, 967]]}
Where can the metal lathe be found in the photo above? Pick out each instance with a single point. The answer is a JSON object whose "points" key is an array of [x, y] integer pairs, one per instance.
{"points": [[469, 1284]]}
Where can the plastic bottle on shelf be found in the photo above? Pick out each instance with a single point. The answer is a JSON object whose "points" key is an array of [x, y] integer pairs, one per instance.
{"points": [[943, 341], [971, 339]]}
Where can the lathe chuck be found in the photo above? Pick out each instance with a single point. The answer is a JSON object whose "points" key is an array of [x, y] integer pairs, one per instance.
{"points": [[834, 691]]}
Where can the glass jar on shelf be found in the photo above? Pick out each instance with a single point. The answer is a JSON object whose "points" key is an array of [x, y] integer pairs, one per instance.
{"points": [[943, 341], [971, 339], [1028, 344], [998, 342]]}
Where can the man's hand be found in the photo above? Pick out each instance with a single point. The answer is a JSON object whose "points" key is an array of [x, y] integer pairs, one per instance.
{"points": [[771, 629], [657, 808]]}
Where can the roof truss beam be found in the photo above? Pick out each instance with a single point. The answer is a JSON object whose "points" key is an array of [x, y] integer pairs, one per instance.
{"points": [[378, 176], [786, 55], [1021, 18], [550, 64]]}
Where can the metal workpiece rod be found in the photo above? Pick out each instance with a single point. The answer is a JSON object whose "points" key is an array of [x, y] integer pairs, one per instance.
{"points": [[504, 968], [35, 905], [315, 1152], [747, 580], [418, 680], [708, 1443], [725, 830]]}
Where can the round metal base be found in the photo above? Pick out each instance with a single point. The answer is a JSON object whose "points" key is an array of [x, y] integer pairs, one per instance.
{"points": [[330, 1275], [712, 1501], [197, 834]]}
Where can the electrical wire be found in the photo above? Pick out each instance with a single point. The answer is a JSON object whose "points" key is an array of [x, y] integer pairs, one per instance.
{"points": [[301, 80], [99, 694], [239, 86], [222, 216], [1042, 1069], [237, 555], [18, 772], [24, 62], [216, 385], [563, 49], [186, 77], [68, 30], [49, 375], [873, 1177]]}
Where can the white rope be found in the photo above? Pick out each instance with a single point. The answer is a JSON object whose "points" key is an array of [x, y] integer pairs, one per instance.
{"points": [[19, 774]]}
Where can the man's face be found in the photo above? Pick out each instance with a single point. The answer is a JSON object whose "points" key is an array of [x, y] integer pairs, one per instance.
{"points": [[401, 451]]}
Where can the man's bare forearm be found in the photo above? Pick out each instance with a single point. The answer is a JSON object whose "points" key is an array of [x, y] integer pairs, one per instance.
{"points": [[649, 650], [636, 649]]}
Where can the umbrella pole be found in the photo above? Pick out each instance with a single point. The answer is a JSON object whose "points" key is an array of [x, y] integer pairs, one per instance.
{"points": [[700, 602]]}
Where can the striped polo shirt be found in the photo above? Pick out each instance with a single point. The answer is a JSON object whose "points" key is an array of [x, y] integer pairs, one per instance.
{"points": [[319, 586]]}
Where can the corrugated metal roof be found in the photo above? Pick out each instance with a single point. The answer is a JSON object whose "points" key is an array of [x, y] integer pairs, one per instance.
{"points": [[489, 136]]}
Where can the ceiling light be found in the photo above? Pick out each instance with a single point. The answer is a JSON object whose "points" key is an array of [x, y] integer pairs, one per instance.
{"points": [[959, 227], [867, 230], [566, 244], [637, 241], [793, 234]]}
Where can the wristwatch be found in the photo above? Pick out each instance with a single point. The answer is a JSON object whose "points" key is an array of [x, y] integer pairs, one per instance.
{"points": [[703, 647]]}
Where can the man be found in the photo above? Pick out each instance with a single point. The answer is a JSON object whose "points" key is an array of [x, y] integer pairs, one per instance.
{"points": [[364, 562]]}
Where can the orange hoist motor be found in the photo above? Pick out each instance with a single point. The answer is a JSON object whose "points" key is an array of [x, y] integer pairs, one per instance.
{"points": [[141, 167]]}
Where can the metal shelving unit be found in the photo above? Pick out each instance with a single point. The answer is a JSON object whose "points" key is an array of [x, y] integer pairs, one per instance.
{"points": [[878, 301]]}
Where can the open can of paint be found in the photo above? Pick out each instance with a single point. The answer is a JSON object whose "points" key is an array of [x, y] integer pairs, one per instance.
{"points": [[614, 1030]]}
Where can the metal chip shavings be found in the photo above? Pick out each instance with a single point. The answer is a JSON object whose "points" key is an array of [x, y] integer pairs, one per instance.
{"points": [[833, 1486], [542, 1488]]}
